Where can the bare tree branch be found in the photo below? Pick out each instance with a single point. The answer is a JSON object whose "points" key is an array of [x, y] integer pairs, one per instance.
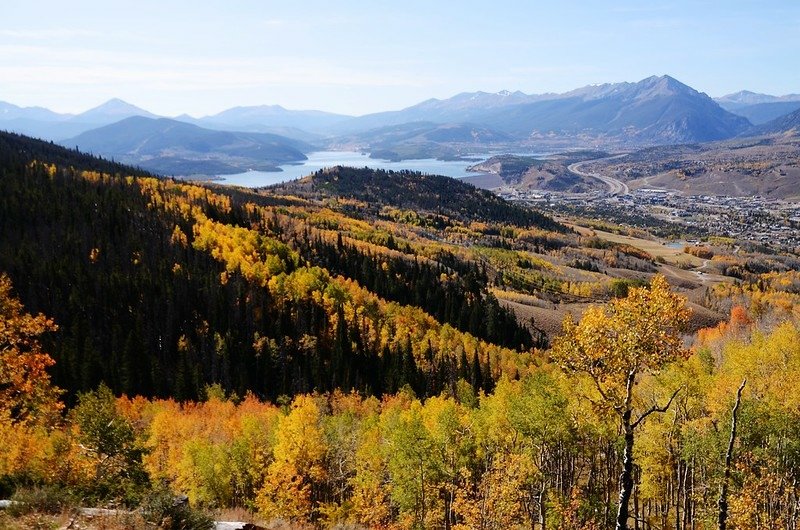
{"points": [[656, 408], [617, 408]]}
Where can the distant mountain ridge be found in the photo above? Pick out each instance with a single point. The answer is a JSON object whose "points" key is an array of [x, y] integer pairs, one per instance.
{"points": [[173, 147], [462, 108], [759, 108], [46, 124], [658, 110], [745, 98], [787, 124], [654, 110], [257, 117], [9, 111], [423, 139], [761, 113]]}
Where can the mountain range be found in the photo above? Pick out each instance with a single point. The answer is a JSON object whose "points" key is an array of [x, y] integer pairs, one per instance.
{"points": [[759, 108], [653, 111], [49, 125], [173, 147], [270, 118]]}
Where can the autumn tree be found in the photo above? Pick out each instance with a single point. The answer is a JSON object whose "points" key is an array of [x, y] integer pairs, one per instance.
{"points": [[293, 478], [415, 471], [108, 440], [26, 394], [617, 344]]}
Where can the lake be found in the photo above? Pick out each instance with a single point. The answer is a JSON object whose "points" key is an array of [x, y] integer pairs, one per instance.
{"points": [[322, 159]]}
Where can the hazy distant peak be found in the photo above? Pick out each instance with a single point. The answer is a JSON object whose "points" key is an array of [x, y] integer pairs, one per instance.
{"points": [[476, 100], [116, 102], [595, 91], [266, 113], [746, 97], [7, 107], [665, 78], [665, 81], [9, 111], [112, 110], [116, 105], [255, 108]]}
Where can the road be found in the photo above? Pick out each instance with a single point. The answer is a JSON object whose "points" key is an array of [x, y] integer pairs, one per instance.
{"points": [[701, 275], [615, 187]]}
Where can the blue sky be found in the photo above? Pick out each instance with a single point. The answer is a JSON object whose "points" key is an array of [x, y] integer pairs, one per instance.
{"points": [[200, 57]]}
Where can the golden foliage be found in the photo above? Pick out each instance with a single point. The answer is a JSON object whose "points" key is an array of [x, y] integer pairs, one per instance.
{"points": [[26, 395], [629, 336]]}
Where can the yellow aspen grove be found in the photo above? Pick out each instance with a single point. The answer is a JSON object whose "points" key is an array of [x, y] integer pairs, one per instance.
{"points": [[293, 477], [617, 344]]}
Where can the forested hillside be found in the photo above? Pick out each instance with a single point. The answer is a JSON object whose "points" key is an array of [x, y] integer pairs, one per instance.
{"points": [[161, 288], [540, 452], [435, 194], [325, 355]]}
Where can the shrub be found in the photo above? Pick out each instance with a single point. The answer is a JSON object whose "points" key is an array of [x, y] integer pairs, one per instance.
{"points": [[48, 499], [167, 512], [699, 251]]}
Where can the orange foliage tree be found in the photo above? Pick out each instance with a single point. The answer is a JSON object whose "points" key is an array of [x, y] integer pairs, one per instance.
{"points": [[26, 394]]}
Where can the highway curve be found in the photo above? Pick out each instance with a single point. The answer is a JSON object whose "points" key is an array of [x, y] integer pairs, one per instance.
{"points": [[615, 187]]}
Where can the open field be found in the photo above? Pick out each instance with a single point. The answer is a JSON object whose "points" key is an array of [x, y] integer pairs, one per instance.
{"points": [[673, 255]]}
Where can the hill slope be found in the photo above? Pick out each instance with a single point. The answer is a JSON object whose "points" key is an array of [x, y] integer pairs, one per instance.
{"points": [[761, 113], [414, 191], [765, 165], [786, 124], [160, 288]]}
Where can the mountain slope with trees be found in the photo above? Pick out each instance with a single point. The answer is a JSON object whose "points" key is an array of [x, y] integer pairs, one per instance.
{"points": [[160, 288], [318, 359], [433, 194]]}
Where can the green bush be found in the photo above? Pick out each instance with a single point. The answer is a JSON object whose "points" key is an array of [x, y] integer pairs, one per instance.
{"points": [[49, 499], [111, 441], [167, 512]]}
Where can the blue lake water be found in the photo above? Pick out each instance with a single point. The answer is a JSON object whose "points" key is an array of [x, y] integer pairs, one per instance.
{"points": [[322, 159]]}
